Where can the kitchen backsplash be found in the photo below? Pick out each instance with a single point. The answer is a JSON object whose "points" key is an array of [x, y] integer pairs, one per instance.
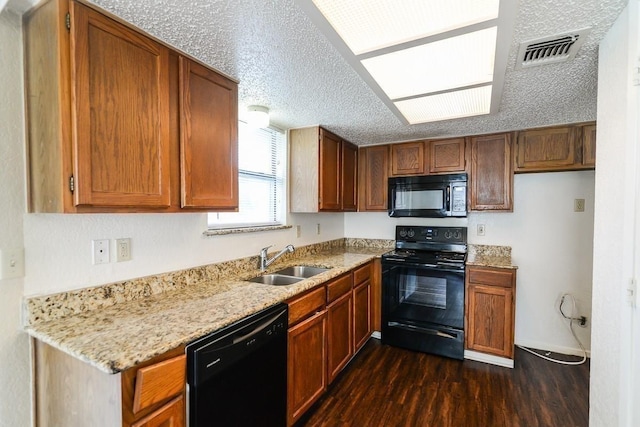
{"points": [[54, 306]]}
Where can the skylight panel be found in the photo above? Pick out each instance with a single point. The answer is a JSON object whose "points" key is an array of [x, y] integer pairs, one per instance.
{"points": [[447, 64], [368, 25], [449, 105]]}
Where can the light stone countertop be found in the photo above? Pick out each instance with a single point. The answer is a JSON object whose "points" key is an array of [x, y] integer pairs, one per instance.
{"points": [[119, 336], [490, 256]]}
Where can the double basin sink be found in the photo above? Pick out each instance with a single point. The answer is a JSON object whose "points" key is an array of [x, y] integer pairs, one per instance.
{"points": [[289, 275]]}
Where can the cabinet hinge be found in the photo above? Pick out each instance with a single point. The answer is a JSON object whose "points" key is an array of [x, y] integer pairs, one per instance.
{"points": [[67, 20], [72, 184]]}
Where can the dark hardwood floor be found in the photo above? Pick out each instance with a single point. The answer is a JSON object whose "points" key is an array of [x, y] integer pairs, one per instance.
{"points": [[388, 386]]}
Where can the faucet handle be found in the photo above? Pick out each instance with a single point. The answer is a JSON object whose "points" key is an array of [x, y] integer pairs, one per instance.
{"points": [[264, 250]]}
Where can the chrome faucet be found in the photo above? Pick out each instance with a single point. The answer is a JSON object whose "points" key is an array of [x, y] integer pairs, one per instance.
{"points": [[265, 262]]}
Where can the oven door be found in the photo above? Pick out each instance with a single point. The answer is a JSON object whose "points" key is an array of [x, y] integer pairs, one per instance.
{"points": [[418, 294]]}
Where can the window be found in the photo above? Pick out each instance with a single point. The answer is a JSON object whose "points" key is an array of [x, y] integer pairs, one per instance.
{"points": [[261, 170]]}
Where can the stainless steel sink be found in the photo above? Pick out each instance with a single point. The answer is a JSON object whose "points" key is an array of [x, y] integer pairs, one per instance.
{"points": [[276, 279], [304, 271]]}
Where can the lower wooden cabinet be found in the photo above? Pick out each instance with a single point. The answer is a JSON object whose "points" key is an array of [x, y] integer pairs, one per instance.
{"points": [[490, 310], [362, 318], [323, 339], [150, 394], [170, 415], [306, 365], [339, 334]]}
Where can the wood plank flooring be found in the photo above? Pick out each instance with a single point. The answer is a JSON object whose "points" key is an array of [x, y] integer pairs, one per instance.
{"points": [[388, 386]]}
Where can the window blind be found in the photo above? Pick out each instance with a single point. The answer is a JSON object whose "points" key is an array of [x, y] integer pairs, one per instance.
{"points": [[261, 171]]}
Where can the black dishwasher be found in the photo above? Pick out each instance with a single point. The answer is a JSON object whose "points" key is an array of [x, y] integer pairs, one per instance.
{"points": [[237, 376]]}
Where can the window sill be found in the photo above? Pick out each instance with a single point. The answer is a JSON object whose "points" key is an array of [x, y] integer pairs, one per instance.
{"points": [[223, 231]]}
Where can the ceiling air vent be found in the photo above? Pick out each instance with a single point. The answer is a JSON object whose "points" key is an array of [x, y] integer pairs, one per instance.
{"points": [[550, 50]]}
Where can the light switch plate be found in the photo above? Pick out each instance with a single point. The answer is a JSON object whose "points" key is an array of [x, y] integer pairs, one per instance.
{"points": [[11, 263]]}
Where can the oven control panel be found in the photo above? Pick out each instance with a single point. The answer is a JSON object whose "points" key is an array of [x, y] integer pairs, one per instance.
{"points": [[428, 234]]}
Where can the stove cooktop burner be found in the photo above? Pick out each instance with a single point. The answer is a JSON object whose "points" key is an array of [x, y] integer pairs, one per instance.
{"points": [[432, 258], [443, 247]]}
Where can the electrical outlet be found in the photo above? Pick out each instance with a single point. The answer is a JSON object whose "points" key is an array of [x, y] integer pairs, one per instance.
{"points": [[123, 250], [100, 251], [481, 230], [578, 205], [11, 263]]}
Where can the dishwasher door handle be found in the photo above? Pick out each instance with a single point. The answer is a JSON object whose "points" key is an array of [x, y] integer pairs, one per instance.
{"points": [[257, 329]]}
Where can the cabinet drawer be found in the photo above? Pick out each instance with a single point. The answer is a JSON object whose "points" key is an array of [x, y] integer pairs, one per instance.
{"points": [[338, 287], [158, 382], [361, 274], [301, 307], [491, 276]]}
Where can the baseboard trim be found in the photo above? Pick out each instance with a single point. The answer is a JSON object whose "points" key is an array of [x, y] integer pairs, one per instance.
{"points": [[488, 358]]}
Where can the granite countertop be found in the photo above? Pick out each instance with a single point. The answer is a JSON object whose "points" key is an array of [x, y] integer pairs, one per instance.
{"points": [[119, 336], [490, 256]]}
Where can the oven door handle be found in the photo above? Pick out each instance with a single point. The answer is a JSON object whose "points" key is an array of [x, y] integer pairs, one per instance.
{"points": [[402, 263], [425, 330]]}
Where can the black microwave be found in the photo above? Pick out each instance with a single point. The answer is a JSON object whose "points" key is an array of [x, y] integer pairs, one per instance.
{"points": [[429, 196]]}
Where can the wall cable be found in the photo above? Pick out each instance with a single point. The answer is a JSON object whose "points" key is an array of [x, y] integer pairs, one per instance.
{"points": [[571, 319]]}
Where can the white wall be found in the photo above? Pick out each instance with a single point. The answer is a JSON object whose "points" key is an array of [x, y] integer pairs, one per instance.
{"points": [[551, 245], [14, 344], [612, 368], [58, 247]]}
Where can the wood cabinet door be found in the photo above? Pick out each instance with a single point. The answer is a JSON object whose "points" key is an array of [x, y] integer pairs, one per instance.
{"points": [[329, 170], [208, 138], [339, 335], [306, 365], [490, 310], [170, 415], [373, 173], [407, 159], [589, 145], [546, 149], [446, 156], [362, 314], [349, 181], [120, 114], [489, 317], [491, 180]]}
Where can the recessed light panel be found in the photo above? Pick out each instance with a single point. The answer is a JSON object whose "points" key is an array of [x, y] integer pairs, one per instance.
{"points": [[427, 60], [449, 105], [450, 63], [368, 25]]}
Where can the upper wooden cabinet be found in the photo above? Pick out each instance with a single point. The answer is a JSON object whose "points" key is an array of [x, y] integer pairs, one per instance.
{"points": [[558, 148], [103, 106], [373, 170], [120, 114], [349, 177], [208, 137], [329, 172], [490, 175], [407, 159], [446, 156], [322, 171], [589, 145]]}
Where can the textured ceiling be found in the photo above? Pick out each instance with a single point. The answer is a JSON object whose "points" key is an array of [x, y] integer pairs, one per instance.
{"points": [[283, 62]]}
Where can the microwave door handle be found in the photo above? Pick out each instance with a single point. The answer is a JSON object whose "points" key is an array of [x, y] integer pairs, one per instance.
{"points": [[448, 199]]}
